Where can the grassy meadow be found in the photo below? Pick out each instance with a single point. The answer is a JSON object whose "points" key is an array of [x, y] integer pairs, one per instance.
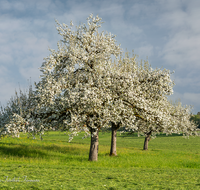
{"points": [[171, 162]]}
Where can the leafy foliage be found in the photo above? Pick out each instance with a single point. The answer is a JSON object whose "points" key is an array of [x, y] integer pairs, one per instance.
{"points": [[196, 119]]}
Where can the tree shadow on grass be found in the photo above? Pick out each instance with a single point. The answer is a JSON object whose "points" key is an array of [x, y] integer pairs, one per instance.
{"points": [[172, 135], [157, 136], [21, 151], [43, 151], [65, 149]]}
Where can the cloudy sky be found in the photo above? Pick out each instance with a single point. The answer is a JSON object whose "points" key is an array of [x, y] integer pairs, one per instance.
{"points": [[165, 31]]}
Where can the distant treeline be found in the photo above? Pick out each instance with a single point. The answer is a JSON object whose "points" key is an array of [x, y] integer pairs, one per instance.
{"points": [[196, 119]]}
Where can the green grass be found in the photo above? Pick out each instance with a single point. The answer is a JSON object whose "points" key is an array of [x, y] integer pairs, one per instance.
{"points": [[171, 162]]}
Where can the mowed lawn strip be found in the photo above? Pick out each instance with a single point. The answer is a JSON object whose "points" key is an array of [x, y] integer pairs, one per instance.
{"points": [[171, 162]]}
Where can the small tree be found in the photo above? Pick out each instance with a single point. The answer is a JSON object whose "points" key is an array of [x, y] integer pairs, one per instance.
{"points": [[178, 122], [12, 114]]}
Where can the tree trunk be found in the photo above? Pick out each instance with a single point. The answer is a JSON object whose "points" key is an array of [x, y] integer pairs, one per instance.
{"points": [[113, 148], [94, 145], [146, 141]]}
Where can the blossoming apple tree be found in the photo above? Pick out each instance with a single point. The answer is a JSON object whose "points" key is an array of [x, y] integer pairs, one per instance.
{"points": [[144, 92], [89, 85]]}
